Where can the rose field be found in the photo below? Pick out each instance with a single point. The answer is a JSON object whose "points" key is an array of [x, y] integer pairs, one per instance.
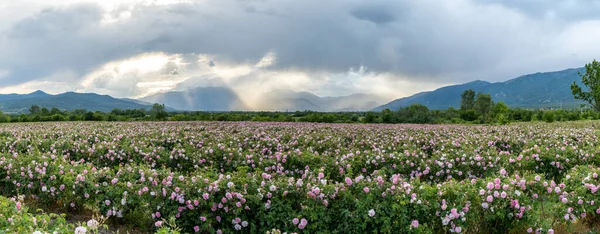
{"points": [[247, 177]]}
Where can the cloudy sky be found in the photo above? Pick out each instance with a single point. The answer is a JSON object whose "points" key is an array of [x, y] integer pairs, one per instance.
{"points": [[132, 48]]}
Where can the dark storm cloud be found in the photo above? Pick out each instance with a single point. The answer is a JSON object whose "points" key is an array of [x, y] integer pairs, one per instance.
{"points": [[377, 15], [58, 39], [447, 41]]}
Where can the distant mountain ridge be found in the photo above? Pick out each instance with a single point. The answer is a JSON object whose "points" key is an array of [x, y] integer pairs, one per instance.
{"points": [[288, 100], [538, 90], [194, 99], [225, 99], [199, 99], [20, 103], [14, 96]]}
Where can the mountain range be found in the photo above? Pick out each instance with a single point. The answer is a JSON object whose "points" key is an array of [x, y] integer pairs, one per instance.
{"points": [[201, 98], [539, 90], [20, 103], [225, 99], [288, 100]]}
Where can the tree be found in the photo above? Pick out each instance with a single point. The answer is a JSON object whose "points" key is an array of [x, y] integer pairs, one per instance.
{"points": [[45, 111], [591, 79], [4, 118], [158, 112], [34, 110], [483, 104], [548, 116], [500, 112], [500, 109], [370, 117], [415, 113], [467, 100], [89, 116], [468, 115], [387, 116], [55, 111]]}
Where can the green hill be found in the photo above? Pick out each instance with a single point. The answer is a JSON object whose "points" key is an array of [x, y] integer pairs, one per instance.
{"points": [[20, 103], [539, 90]]}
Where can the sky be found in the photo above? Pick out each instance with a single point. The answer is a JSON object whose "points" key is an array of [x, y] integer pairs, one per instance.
{"points": [[393, 48]]}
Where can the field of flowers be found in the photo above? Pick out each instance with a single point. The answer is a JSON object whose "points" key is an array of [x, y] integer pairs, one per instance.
{"points": [[210, 177]]}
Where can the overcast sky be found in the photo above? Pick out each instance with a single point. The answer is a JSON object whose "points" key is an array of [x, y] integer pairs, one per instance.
{"points": [[334, 47]]}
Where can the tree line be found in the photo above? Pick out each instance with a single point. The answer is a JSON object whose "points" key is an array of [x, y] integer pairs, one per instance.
{"points": [[474, 109]]}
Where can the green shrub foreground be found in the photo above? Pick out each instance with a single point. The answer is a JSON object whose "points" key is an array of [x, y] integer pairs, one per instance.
{"points": [[245, 177]]}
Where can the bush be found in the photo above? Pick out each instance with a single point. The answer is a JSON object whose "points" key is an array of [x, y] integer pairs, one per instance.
{"points": [[17, 219], [468, 115], [501, 119], [548, 116]]}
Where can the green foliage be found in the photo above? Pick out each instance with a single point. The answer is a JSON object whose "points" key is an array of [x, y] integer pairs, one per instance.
{"points": [[158, 112], [468, 115], [500, 108], [502, 119], [591, 79], [94, 116], [371, 117], [483, 104], [4, 118], [415, 113], [387, 116], [17, 219], [34, 110], [548, 117], [467, 100]]}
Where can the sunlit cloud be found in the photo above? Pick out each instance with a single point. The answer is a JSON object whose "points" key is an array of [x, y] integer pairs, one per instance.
{"points": [[51, 87], [59, 82], [115, 17], [267, 61], [134, 76]]}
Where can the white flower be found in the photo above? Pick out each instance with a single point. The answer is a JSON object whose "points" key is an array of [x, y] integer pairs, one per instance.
{"points": [[230, 184], [80, 230], [371, 212], [37, 232], [244, 223], [237, 227], [445, 221], [93, 224], [518, 192]]}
